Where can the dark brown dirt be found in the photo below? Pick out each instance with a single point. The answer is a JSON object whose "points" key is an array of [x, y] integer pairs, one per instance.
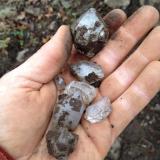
{"points": [[76, 104], [92, 77], [141, 140], [27, 24]]}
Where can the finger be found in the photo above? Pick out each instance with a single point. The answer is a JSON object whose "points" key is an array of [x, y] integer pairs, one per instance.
{"points": [[128, 105], [126, 38], [85, 149], [125, 108], [114, 19], [121, 79], [100, 134], [48, 61]]}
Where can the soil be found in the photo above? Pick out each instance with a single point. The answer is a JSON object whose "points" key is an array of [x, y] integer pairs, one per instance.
{"points": [[25, 25]]}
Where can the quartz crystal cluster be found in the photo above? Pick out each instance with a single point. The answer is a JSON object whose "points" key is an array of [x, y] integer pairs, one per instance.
{"points": [[69, 109], [89, 34]]}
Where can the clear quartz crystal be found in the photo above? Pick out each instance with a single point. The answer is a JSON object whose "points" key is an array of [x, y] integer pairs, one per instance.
{"points": [[69, 110], [98, 111], [88, 92], [88, 71], [60, 83]]}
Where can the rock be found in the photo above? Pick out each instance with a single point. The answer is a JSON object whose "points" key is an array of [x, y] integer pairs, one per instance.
{"points": [[60, 83], [69, 110], [61, 142], [88, 71], [88, 92], [98, 111], [22, 55], [66, 117], [156, 108], [117, 3], [89, 33], [114, 153], [53, 26]]}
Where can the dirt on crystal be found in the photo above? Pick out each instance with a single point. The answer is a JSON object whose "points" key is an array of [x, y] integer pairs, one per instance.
{"points": [[88, 71], [61, 142]]}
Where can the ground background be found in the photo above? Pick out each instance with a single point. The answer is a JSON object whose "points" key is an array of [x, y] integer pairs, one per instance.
{"points": [[27, 24]]}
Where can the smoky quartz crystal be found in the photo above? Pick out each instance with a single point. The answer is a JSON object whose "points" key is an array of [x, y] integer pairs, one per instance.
{"points": [[89, 33], [88, 71]]}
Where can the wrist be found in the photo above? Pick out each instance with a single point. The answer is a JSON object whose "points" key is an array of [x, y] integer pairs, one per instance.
{"points": [[4, 155]]}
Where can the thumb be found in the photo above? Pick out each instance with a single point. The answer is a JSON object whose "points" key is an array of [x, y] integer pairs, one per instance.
{"points": [[49, 59]]}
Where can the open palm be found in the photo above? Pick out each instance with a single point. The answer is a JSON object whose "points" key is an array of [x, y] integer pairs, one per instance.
{"points": [[132, 72]]}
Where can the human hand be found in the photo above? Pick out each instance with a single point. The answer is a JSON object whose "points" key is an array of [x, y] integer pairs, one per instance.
{"points": [[28, 93]]}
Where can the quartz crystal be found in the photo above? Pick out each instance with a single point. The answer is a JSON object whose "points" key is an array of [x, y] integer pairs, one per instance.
{"points": [[60, 83], [69, 110], [98, 111], [88, 92], [88, 71], [89, 33], [61, 142]]}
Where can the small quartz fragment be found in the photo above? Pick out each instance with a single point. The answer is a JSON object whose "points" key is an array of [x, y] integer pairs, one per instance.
{"points": [[60, 83], [61, 142], [88, 71], [89, 33], [88, 92], [98, 111], [69, 110]]}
